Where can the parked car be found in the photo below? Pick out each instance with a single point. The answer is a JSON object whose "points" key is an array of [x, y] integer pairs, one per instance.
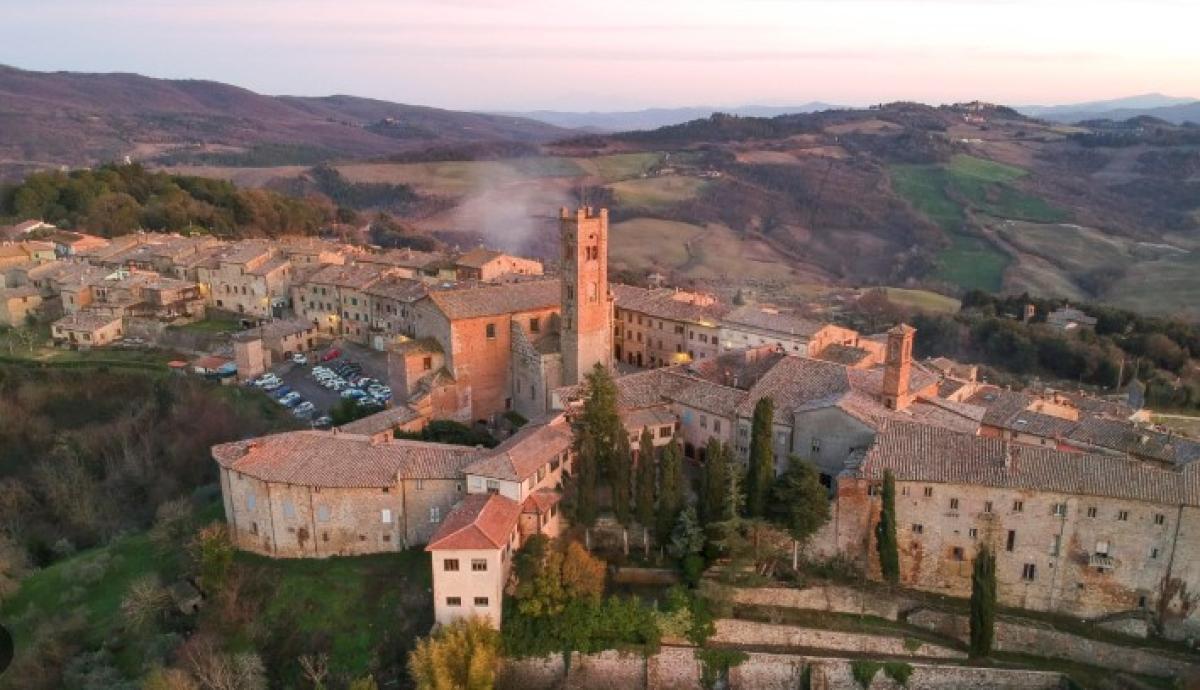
{"points": [[323, 421], [282, 391], [272, 385], [304, 408], [291, 399], [331, 355], [353, 394], [265, 379], [300, 358]]}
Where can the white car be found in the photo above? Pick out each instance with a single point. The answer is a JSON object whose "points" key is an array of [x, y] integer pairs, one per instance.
{"points": [[303, 408], [263, 380], [300, 358]]}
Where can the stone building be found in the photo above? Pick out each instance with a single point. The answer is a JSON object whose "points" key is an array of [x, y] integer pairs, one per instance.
{"points": [[755, 325], [322, 493], [257, 349], [1084, 534], [17, 304], [249, 277], [86, 330], [335, 299], [486, 265], [654, 328]]}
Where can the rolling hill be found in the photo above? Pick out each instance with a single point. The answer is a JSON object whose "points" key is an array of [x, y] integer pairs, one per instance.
{"points": [[1167, 108], [65, 118], [653, 118]]}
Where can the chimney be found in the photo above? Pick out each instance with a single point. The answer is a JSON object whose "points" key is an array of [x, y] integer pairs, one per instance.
{"points": [[897, 368]]}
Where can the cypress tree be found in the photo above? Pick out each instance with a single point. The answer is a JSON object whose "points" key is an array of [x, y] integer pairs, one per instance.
{"points": [[983, 603], [647, 470], [885, 532], [585, 478], [670, 488], [714, 483], [762, 458], [798, 502], [622, 479]]}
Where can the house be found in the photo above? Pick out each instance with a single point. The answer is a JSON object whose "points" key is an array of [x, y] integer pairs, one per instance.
{"points": [[68, 244], [487, 266], [661, 327], [26, 252], [19, 230], [85, 329], [753, 325], [1069, 319], [18, 304], [250, 277], [335, 299]]}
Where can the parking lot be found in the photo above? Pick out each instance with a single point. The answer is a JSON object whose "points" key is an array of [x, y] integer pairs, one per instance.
{"points": [[299, 377]]}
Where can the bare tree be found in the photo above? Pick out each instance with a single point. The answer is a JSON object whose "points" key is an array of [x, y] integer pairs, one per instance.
{"points": [[315, 668]]}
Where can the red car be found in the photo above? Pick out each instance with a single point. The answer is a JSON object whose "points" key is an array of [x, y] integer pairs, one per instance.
{"points": [[331, 355]]}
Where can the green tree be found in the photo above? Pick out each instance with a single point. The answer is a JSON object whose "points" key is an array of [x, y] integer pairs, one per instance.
{"points": [[983, 603], [714, 483], [597, 431], [622, 480], [670, 488], [885, 531], [762, 458], [647, 470], [212, 550], [464, 655], [686, 537], [586, 452], [799, 503]]}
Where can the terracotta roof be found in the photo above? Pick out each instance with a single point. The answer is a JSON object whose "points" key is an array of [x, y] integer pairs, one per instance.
{"points": [[245, 251], [665, 304], [796, 381], [843, 354], [211, 362], [279, 328], [653, 417], [479, 522], [416, 346], [916, 452], [540, 501], [1127, 437], [384, 420], [404, 258], [523, 453], [759, 318], [335, 459], [489, 300], [354, 276], [85, 321], [18, 292], [478, 257], [397, 288]]}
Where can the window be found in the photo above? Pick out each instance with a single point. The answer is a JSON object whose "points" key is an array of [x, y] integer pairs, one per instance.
{"points": [[420, 485], [535, 325], [1102, 548], [1154, 552], [987, 506], [716, 426], [491, 331], [385, 516], [928, 492], [973, 533], [954, 504], [816, 445], [435, 514], [1160, 519], [1018, 506], [1029, 572], [481, 601], [918, 529], [1012, 540], [1091, 511], [956, 553], [453, 601], [322, 513], [493, 486], [450, 565], [250, 501], [1055, 545], [703, 421], [427, 363], [289, 510], [1059, 510], [664, 432], [1123, 515], [479, 565]]}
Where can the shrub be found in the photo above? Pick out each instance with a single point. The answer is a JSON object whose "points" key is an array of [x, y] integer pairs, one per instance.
{"points": [[715, 664], [898, 671], [864, 671]]}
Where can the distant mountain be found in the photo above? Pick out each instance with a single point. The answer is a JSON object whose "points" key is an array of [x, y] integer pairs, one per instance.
{"points": [[76, 119], [653, 118], [1169, 108]]}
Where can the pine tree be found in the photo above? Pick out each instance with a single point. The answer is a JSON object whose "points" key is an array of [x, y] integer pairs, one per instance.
{"points": [[983, 603], [885, 532], [762, 458], [622, 480], [647, 470], [714, 483], [670, 488], [585, 478], [686, 537], [798, 502]]}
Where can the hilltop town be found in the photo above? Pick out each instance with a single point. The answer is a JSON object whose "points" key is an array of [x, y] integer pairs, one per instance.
{"points": [[630, 420]]}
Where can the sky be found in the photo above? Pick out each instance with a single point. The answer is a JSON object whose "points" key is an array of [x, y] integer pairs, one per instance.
{"points": [[628, 54]]}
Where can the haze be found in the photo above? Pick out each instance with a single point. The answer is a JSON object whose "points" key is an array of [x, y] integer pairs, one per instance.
{"points": [[527, 54]]}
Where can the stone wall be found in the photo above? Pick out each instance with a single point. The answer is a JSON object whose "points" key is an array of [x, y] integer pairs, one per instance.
{"points": [[1043, 641], [739, 632], [832, 598], [676, 668]]}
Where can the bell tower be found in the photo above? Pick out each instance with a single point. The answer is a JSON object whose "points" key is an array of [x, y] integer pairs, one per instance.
{"points": [[587, 304], [897, 367]]}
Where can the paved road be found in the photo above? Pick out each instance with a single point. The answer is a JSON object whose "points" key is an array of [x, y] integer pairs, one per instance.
{"points": [[299, 377]]}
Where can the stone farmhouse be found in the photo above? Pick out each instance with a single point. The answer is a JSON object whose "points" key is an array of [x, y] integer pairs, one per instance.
{"points": [[486, 265], [17, 303]]}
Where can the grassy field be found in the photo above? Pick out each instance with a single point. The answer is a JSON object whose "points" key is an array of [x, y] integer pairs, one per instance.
{"points": [[644, 243], [944, 193], [924, 300], [1167, 286], [212, 325], [657, 192], [708, 253], [1188, 426], [620, 166]]}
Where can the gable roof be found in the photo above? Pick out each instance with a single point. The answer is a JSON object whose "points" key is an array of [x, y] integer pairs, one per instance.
{"points": [[479, 522], [491, 300], [756, 317], [478, 257], [341, 460], [523, 453], [665, 304], [916, 452]]}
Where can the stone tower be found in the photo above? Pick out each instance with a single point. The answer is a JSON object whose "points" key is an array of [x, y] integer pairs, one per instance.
{"points": [[587, 304], [898, 367]]}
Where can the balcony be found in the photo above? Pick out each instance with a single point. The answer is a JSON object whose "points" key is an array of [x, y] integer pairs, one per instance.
{"points": [[1101, 561]]}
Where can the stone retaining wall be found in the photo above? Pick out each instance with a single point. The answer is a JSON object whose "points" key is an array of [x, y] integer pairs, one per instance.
{"points": [[832, 598], [752, 633], [1030, 639], [836, 674]]}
